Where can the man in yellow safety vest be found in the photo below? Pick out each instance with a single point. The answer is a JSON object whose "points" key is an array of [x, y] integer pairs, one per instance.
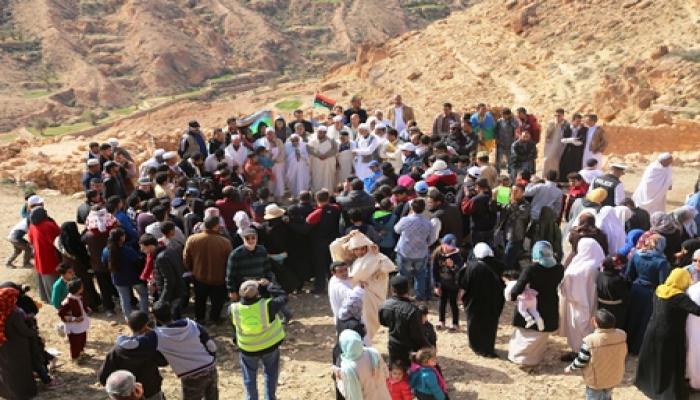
{"points": [[259, 333]]}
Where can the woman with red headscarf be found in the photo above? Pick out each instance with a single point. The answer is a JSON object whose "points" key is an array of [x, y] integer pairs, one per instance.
{"points": [[16, 377]]}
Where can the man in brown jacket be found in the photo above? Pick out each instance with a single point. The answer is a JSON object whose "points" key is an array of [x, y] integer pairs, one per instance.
{"points": [[400, 114], [441, 124], [596, 142], [602, 357], [205, 256]]}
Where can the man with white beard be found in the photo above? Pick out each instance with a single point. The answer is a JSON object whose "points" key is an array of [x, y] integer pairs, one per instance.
{"points": [[322, 151], [337, 127], [366, 151]]}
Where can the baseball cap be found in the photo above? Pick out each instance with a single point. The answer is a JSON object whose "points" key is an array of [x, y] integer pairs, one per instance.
{"points": [[421, 187]]}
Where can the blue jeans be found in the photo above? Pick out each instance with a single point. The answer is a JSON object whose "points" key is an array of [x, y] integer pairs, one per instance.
{"points": [[513, 251], [598, 394], [125, 298], [271, 369], [416, 270]]}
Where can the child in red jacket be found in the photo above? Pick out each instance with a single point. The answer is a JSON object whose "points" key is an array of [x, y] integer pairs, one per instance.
{"points": [[75, 319], [397, 382]]}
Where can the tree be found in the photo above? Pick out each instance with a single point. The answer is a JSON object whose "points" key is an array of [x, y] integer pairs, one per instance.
{"points": [[90, 117], [40, 124]]}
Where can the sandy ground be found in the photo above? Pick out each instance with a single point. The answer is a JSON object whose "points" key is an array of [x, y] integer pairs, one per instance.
{"points": [[306, 352]]}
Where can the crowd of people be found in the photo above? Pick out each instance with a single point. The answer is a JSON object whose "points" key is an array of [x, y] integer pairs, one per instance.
{"points": [[352, 206]]}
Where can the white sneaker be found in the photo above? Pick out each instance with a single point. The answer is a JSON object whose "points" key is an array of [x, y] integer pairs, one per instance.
{"points": [[529, 322], [540, 324]]}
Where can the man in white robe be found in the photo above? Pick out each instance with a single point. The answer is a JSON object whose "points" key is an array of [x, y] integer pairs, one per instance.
{"points": [[366, 151], [345, 156], [655, 184], [370, 269], [236, 151], [552, 143], [276, 152], [577, 294], [298, 167], [322, 151]]}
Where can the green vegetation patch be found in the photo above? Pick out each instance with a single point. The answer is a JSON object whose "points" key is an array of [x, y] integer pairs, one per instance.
{"points": [[288, 105]]}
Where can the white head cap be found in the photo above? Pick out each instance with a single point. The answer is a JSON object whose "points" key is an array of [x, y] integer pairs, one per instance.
{"points": [[664, 156], [338, 118], [322, 128], [169, 155], [159, 153], [113, 142], [270, 130], [35, 201]]}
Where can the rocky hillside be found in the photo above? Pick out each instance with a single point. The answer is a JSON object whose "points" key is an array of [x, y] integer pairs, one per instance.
{"points": [[61, 57], [635, 63], [632, 61]]}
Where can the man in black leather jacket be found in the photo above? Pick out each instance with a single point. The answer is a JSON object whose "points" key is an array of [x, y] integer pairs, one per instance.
{"points": [[403, 318]]}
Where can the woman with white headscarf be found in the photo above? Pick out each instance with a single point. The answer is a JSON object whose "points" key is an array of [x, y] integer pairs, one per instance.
{"points": [[482, 285], [608, 222], [528, 345], [577, 294], [368, 268], [362, 373]]}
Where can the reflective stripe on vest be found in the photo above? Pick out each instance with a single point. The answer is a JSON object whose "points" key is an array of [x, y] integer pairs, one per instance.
{"points": [[254, 331]]}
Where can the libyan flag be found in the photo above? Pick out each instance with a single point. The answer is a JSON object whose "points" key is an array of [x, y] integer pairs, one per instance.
{"points": [[253, 121], [321, 101]]}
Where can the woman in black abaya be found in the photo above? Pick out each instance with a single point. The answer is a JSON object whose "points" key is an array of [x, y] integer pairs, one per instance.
{"points": [[483, 299]]}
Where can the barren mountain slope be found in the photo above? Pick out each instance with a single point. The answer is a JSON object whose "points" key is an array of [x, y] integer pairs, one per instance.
{"points": [[647, 97], [110, 53], [619, 59]]}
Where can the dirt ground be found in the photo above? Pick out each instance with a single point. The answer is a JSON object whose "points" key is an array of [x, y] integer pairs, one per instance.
{"points": [[306, 352]]}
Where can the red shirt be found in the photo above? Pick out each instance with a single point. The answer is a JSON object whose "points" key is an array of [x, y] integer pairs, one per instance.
{"points": [[399, 390], [229, 208], [42, 236]]}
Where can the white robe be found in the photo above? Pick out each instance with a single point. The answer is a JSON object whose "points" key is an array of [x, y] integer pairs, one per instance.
{"points": [[653, 187], [692, 330], [338, 290], [323, 172], [298, 171], [553, 148], [210, 163], [587, 153], [277, 153], [345, 162], [608, 222], [334, 133], [365, 147], [373, 270], [238, 156], [589, 175], [577, 293]]}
